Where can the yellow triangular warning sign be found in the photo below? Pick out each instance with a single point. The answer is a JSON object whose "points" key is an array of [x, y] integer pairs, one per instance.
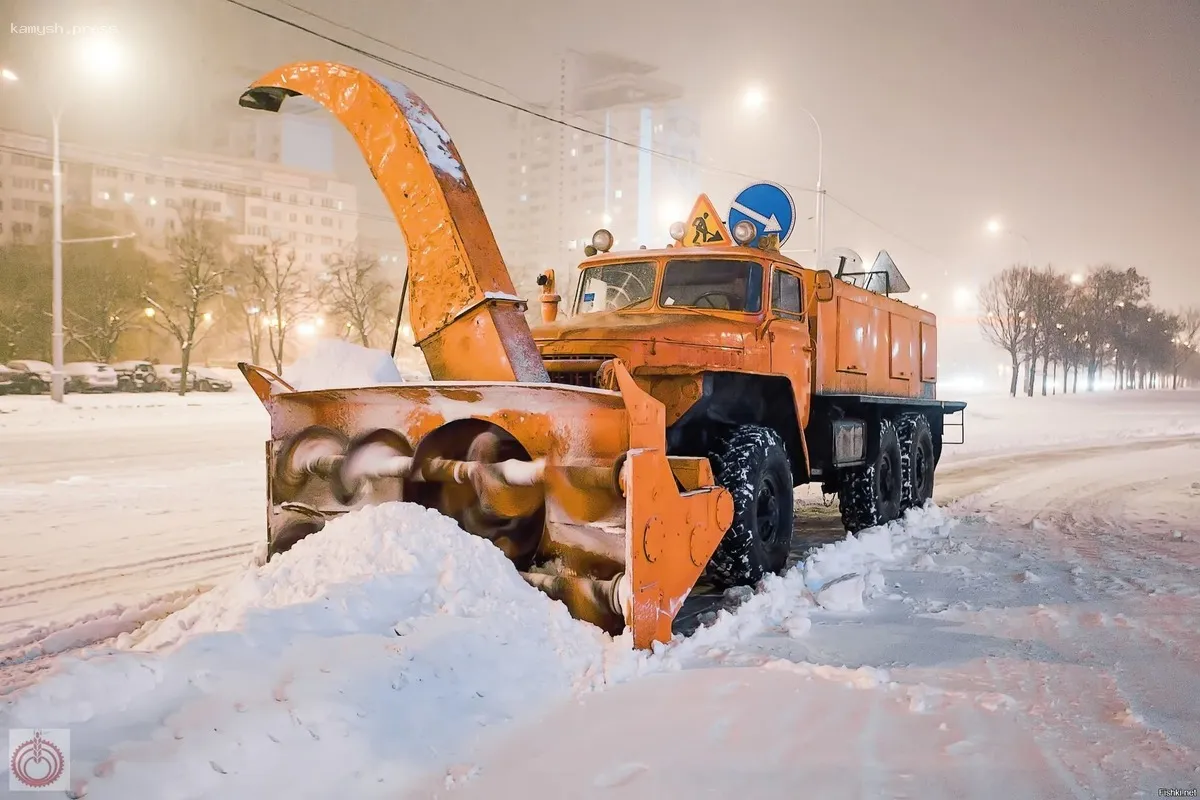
{"points": [[704, 227]]}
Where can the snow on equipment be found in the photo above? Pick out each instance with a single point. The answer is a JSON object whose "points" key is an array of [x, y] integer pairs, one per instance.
{"points": [[618, 455]]}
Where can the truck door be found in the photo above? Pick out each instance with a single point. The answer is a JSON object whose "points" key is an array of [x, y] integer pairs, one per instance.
{"points": [[791, 344]]}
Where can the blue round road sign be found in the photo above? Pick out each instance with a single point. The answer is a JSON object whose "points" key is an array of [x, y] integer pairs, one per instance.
{"points": [[768, 206]]}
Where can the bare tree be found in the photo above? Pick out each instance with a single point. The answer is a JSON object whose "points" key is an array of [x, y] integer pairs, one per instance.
{"points": [[1186, 342], [248, 298], [357, 294], [104, 297], [1004, 317], [283, 292], [194, 277], [1048, 292]]}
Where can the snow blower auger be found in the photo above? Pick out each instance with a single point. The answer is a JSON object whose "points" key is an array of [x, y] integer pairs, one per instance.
{"points": [[573, 484]]}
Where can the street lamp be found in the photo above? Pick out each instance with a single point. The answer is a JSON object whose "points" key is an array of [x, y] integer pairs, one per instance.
{"points": [[995, 227], [101, 55], [753, 99]]}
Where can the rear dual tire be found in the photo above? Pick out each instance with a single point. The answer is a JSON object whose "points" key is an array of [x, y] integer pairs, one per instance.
{"points": [[751, 462], [898, 478]]}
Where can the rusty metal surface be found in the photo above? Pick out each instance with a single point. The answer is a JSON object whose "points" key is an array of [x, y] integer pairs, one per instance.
{"points": [[568, 505], [460, 293]]}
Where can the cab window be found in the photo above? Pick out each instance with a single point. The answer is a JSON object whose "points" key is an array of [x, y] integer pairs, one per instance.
{"points": [[718, 283], [615, 287], [786, 294]]}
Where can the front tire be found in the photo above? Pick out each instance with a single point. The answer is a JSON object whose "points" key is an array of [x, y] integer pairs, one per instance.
{"points": [[871, 495], [751, 462]]}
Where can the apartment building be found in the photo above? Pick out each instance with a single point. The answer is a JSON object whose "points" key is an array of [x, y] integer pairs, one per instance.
{"points": [[316, 215]]}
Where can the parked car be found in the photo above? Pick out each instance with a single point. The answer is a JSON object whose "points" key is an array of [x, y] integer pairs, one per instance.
{"points": [[8, 379], [135, 376], [209, 381], [199, 379], [33, 377], [90, 376]]}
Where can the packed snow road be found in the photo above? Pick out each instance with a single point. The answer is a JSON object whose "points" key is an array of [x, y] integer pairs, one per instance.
{"points": [[1039, 641]]}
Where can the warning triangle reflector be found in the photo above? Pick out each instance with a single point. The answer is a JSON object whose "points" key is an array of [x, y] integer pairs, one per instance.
{"points": [[704, 226]]}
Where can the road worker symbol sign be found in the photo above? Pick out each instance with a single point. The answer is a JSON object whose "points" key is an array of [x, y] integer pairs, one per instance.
{"points": [[704, 226]]}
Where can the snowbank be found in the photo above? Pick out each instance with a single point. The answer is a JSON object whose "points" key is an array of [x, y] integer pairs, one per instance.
{"points": [[338, 364], [999, 425], [364, 657], [382, 646]]}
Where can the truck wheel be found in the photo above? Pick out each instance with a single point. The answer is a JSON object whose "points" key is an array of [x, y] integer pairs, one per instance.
{"points": [[752, 463], [871, 495], [916, 459]]}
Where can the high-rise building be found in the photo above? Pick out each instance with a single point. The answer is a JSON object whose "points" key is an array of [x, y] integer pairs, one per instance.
{"points": [[631, 171]]}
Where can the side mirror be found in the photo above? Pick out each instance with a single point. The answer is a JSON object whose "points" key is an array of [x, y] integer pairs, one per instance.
{"points": [[824, 286]]}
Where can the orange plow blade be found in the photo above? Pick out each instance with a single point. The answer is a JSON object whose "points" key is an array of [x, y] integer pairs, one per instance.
{"points": [[574, 485]]}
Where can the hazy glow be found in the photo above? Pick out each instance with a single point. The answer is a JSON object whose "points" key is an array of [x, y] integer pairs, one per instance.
{"points": [[149, 312], [754, 98], [994, 226], [102, 55], [1077, 279], [307, 329], [964, 298], [7, 74], [208, 316]]}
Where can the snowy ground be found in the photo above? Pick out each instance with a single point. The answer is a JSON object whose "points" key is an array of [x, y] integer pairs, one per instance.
{"points": [[1036, 639]]}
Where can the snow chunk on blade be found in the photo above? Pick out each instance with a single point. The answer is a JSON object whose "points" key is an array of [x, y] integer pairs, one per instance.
{"points": [[343, 668], [336, 364]]}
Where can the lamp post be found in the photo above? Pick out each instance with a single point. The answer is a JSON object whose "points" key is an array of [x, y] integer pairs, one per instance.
{"points": [[101, 56], [754, 99]]}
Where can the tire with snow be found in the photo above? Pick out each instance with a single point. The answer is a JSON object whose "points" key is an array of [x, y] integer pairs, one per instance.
{"points": [[751, 461], [871, 495], [916, 459]]}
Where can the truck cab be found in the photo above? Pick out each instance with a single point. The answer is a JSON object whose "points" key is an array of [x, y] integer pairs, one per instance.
{"points": [[766, 367]]}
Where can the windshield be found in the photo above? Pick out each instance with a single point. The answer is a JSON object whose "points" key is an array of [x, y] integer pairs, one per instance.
{"points": [[713, 283], [615, 286]]}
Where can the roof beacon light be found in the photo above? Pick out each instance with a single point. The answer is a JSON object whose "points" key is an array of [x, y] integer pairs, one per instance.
{"points": [[602, 240], [744, 232], [678, 229]]}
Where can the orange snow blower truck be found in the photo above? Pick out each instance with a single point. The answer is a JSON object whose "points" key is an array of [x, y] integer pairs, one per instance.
{"points": [[618, 455]]}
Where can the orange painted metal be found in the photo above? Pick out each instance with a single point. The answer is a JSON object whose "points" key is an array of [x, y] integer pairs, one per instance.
{"points": [[873, 345], [858, 343], [608, 506], [462, 305]]}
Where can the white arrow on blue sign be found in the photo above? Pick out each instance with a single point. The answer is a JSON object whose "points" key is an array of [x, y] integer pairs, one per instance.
{"points": [[768, 206]]}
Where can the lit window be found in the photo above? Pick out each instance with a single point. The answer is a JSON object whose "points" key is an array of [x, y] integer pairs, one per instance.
{"points": [[153, 201], [617, 194], [104, 196], [524, 198], [128, 197], [573, 244], [574, 152]]}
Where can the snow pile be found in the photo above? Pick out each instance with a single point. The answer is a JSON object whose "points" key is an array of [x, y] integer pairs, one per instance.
{"points": [[838, 577], [356, 662], [338, 364]]}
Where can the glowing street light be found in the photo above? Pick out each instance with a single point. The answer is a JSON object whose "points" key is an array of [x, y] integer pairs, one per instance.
{"points": [[1076, 279], [996, 227], [754, 98], [208, 316], [149, 312], [101, 56]]}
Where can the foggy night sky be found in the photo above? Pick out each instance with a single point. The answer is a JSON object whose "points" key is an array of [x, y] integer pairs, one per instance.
{"points": [[1077, 123]]}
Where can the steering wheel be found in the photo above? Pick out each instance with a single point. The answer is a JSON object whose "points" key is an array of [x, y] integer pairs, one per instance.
{"points": [[728, 299]]}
